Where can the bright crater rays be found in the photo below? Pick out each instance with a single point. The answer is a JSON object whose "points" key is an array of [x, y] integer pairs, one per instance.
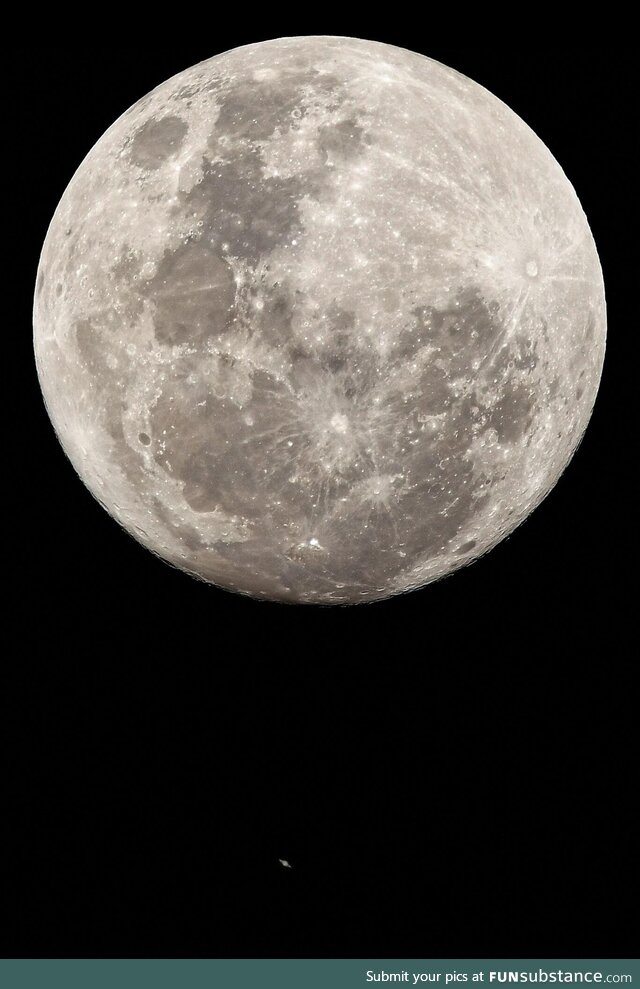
{"points": [[319, 320]]}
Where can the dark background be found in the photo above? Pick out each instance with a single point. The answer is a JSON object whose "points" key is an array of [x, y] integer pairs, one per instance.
{"points": [[449, 773]]}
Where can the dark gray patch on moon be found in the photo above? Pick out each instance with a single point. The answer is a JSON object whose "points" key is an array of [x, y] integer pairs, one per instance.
{"points": [[244, 213], [193, 294], [252, 111], [156, 141], [466, 547], [511, 415], [342, 141], [274, 320]]}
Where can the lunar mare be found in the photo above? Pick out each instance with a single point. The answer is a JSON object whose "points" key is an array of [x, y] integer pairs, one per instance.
{"points": [[319, 320]]}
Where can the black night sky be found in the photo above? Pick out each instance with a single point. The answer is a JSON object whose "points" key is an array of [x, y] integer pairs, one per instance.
{"points": [[448, 772]]}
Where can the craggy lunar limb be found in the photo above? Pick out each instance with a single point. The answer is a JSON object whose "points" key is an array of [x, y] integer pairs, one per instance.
{"points": [[319, 320]]}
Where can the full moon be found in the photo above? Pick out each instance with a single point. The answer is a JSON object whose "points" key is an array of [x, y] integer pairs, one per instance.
{"points": [[319, 320]]}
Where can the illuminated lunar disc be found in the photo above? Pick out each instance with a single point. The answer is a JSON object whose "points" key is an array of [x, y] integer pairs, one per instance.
{"points": [[319, 320]]}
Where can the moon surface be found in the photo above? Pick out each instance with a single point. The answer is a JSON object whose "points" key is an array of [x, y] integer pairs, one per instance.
{"points": [[319, 320]]}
